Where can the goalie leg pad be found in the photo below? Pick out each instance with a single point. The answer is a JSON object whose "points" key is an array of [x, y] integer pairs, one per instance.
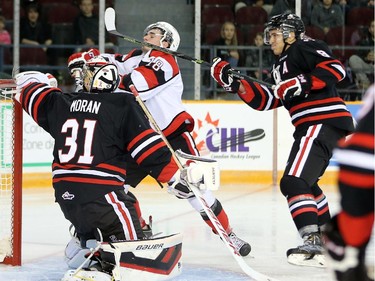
{"points": [[75, 255], [152, 260], [5, 248]]}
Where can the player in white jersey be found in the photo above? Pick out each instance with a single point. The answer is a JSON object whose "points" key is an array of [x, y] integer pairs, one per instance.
{"points": [[156, 76]]}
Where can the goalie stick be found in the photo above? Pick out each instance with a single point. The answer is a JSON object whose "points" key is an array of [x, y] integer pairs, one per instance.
{"points": [[216, 223], [109, 19]]}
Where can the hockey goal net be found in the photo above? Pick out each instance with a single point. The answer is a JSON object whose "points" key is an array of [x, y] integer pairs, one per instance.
{"points": [[10, 175]]}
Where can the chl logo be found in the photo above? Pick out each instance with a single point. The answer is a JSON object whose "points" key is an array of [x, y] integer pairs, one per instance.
{"points": [[210, 136], [68, 196]]}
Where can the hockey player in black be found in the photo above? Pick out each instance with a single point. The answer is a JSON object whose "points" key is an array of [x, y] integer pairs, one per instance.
{"points": [[305, 76], [93, 131], [349, 232]]}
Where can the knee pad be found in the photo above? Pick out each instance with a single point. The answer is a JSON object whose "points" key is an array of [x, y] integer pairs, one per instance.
{"points": [[291, 186]]}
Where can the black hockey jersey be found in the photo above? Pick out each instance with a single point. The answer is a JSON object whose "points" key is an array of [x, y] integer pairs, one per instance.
{"points": [[356, 177], [92, 133], [323, 105]]}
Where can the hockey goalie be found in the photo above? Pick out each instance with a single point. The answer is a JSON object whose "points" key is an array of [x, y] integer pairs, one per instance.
{"points": [[89, 174], [146, 259]]}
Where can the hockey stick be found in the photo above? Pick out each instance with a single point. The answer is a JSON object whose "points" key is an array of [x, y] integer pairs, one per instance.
{"points": [[109, 19], [216, 223]]}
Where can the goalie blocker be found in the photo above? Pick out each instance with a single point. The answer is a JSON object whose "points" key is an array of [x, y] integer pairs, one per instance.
{"points": [[149, 259], [202, 172]]}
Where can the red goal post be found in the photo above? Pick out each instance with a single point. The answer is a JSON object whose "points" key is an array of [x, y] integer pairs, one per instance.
{"points": [[10, 174]]}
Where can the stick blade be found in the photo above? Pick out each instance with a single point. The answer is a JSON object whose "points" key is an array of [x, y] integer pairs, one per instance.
{"points": [[109, 19], [256, 134]]}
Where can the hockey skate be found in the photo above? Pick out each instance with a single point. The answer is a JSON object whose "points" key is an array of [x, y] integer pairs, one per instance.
{"points": [[311, 253], [147, 228], [242, 247], [86, 274]]}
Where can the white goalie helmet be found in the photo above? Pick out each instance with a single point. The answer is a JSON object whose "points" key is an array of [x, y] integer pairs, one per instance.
{"points": [[99, 75], [170, 34]]}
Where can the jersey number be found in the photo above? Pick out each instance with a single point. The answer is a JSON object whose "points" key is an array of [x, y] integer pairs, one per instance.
{"points": [[155, 63], [71, 141]]}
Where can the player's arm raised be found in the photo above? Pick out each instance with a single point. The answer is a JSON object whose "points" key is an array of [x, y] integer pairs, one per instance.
{"points": [[254, 94]]}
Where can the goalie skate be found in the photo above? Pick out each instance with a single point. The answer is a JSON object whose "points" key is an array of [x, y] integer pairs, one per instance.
{"points": [[311, 253], [84, 275]]}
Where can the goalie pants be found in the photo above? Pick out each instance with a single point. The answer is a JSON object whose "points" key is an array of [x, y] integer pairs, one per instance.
{"points": [[307, 162], [113, 214]]}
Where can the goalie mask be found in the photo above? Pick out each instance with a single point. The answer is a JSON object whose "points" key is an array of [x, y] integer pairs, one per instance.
{"points": [[170, 34], [286, 23], [100, 76]]}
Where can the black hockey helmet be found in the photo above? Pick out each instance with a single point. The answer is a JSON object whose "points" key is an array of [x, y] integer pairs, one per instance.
{"points": [[286, 23]]}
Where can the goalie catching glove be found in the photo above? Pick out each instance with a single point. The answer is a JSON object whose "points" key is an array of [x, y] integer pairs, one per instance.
{"points": [[201, 172], [24, 78], [295, 87], [220, 72], [77, 60]]}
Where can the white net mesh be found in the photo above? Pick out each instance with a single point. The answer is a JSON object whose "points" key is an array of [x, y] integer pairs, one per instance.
{"points": [[6, 171]]}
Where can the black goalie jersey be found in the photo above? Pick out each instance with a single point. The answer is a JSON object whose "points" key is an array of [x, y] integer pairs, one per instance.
{"points": [[92, 134], [323, 105]]}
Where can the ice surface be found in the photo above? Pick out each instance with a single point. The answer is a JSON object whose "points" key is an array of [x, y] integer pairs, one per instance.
{"points": [[258, 214]]}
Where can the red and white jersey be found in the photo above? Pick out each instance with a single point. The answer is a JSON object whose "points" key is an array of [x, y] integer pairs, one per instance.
{"points": [[157, 78]]}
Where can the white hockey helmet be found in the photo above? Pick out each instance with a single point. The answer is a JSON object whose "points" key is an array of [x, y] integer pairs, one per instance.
{"points": [[99, 75], [170, 34]]}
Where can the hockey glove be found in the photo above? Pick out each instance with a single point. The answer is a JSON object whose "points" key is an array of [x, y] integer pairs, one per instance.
{"points": [[198, 171], [180, 190], [179, 186], [27, 77], [347, 262], [295, 87], [220, 72], [77, 60], [125, 82]]}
